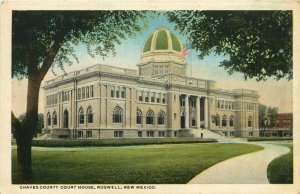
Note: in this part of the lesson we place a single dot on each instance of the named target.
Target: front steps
(213, 135)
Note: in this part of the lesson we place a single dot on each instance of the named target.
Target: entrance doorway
(182, 122)
(66, 119)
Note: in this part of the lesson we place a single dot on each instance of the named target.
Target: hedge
(115, 142)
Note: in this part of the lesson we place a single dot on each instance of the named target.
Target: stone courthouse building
(156, 100)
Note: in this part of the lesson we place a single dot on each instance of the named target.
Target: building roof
(162, 39)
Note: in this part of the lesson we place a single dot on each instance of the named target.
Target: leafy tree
(40, 123)
(257, 43)
(266, 117)
(44, 39)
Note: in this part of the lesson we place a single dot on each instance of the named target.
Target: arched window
(54, 118)
(161, 118)
(117, 115)
(217, 120)
(139, 117)
(150, 117)
(249, 121)
(224, 121)
(90, 115)
(231, 121)
(66, 119)
(80, 116)
(48, 119)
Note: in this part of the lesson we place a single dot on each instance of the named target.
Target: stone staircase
(206, 133)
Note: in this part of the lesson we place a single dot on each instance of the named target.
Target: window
(161, 118)
(140, 96)
(182, 102)
(152, 97)
(48, 119)
(193, 104)
(231, 121)
(81, 116)
(231, 133)
(89, 134)
(54, 118)
(224, 121)
(250, 133)
(249, 121)
(158, 98)
(80, 134)
(161, 134)
(150, 117)
(117, 92)
(90, 115)
(78, 93)
(83, 93)
(87, 92)
(123, 92)
(193, 122)
(56, 96)
(112, 91)
(175, 133)
(147, 97)
(175, 115)
(140, 134)
(139, 117)
(150, 133)
(217, 120)
(63, 96)
(92, 91)
(164, 99)
(117, 115)
(118, 134)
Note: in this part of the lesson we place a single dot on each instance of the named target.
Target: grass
(280, 170)
(155, 164)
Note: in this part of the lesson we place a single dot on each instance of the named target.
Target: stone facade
(157, 100)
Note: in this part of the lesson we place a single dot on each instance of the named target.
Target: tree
(257, 43)
(40, 123)
(44, 39)
(267, 117)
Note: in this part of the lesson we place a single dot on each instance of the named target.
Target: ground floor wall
(114, 133)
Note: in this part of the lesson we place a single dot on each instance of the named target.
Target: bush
(115, 142)
(268, 138)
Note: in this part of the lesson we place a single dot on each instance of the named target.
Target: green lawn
(280, 170)
(168, 164)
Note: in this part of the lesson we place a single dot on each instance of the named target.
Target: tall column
(206, 112)
(187, 115)
(198, 111)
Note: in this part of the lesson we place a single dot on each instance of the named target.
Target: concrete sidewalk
(246, 169)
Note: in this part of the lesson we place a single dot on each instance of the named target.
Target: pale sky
(272, 92)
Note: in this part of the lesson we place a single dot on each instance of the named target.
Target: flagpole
(191, 64)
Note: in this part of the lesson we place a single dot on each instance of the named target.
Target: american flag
(184, 51)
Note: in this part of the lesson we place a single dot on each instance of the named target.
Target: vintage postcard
(150, 97)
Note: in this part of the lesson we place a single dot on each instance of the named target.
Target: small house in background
(283, 126)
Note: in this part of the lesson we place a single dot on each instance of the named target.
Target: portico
(194, 109)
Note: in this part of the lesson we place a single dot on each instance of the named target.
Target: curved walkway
(246, 169)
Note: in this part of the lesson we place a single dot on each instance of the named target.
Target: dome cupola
(161, 54)
(162, 40)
